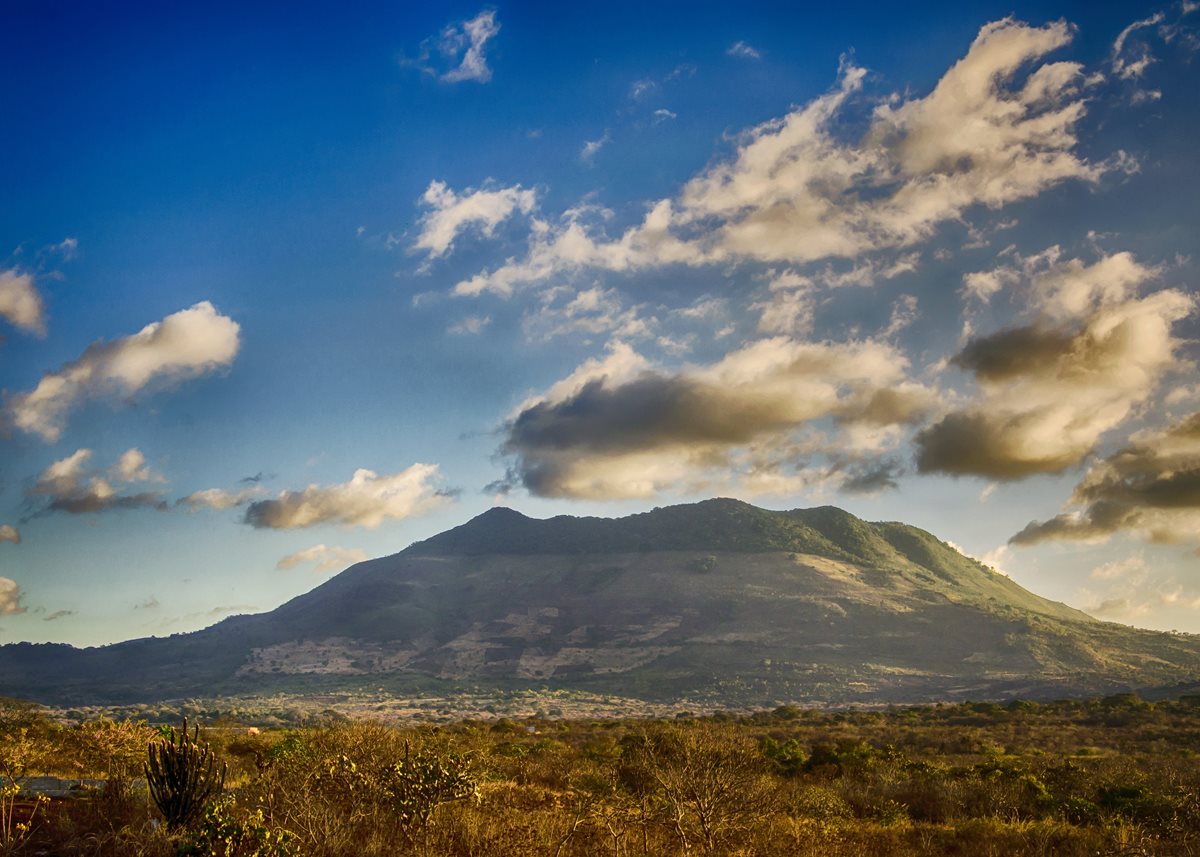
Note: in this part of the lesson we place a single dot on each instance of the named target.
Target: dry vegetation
(1110, 776)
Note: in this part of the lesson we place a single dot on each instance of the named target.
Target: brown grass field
(1110, 776)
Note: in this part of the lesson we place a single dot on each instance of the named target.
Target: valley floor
(1116, 775)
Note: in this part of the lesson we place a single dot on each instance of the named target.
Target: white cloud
(984, 285)
(593, 311)
(452, 214)
(592, 147)
(9, 533)
(67, 248)
(640, 88)
(789, 306)
(615, 428)
(1049, 390)
(367, 500)
(743, 51)
(132, 467)
(1130, 567)
(72, 486)
(662, 114)
(997, 128)
(1134, 592)
(10, 597)
(472, 325)
(326, 558)
(220, 498)
(1150, 488)
(20, 303)
(1131, 59)
(470, 40)
(184, 345)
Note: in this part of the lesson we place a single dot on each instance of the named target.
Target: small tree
(25, 734)
(114, 749)
(422, 781)
(709, 784)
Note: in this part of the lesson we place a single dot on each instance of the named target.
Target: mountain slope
(718, 599)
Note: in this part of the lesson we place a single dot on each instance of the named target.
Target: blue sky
(283, 288)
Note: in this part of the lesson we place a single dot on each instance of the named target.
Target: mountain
(719, 600)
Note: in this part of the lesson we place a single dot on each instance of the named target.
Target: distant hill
(719, 600)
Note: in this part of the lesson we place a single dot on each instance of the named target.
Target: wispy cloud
(326, 558)
(472, 325)
(187, 344)
(451, 214)
(1130, 57)
(220, 498)
(743, 51)
(591, 148)
(461, 49)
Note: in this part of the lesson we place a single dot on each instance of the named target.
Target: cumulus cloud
(451, 214)
(10, 597)
(367, 500)
(220, 498)
(997, 128)
(1150, 488)
(326, 558)
(9, 533)
(617, 428)
(184, 345)
(71, 485)
(132, 467)
(1050, 389)
(20, 302)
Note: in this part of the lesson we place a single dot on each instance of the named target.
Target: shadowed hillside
(717, 600)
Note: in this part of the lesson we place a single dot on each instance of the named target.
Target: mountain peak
(719, 598)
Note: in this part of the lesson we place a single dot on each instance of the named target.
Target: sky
(286, 287)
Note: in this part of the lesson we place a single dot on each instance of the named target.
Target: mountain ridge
(718, 598)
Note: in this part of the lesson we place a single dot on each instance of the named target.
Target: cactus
(183, 776)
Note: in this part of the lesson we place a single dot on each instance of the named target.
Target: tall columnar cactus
(183, 776)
